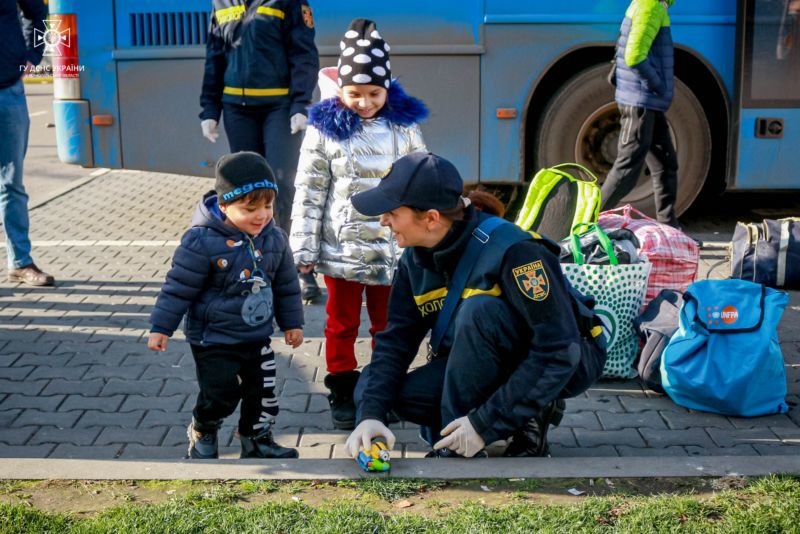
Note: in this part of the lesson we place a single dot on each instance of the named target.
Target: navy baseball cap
(420, 180)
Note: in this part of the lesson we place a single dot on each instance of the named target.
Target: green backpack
(556, 201)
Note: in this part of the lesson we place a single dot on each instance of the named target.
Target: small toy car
(376, 459)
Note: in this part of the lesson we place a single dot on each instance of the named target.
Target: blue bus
(513, 86)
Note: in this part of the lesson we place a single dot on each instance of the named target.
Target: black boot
(309, 288)
(263, 446)
(343, 409)
(202, 445)
(531, 440)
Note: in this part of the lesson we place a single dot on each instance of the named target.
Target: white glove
(298, 122)
(461, 438)
(361, 438)
(210, 130)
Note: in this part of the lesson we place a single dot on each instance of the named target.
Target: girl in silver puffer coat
(350, 144)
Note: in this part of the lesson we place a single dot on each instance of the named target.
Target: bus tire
(581, 124)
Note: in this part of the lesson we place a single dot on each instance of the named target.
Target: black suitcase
(767, 253)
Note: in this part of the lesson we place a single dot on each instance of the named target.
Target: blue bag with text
(725, 357)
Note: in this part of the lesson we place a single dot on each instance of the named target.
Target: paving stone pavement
(76, 379)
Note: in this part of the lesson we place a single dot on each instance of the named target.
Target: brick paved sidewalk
(76, 380)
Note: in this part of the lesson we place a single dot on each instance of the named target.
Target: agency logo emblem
(54, 39)
(532, 280)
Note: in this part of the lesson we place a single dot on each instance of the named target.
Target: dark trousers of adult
(266, 130)
(644, 138)
(344, 317)
(483, 355)
(227, 374)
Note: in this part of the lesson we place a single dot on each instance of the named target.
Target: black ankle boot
(531, 440)
(202, 445)
(263, 446)
(343, 409)
(309, 289)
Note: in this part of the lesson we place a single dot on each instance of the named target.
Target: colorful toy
(376, 459)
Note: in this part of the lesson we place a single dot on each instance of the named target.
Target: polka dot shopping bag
(618, 291)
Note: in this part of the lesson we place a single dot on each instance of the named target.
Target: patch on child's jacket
(308, 16)
(222, 263)
(532, 280)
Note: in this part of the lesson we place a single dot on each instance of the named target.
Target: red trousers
(344, 317)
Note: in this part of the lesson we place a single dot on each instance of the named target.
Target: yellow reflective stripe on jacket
(246, 91)
(271, 11)
(229, 14)
(430, 295)
(494, 292)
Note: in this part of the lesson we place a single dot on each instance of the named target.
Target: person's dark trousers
(219, 370)
(266, 130)
(644, 138)
(483, 355)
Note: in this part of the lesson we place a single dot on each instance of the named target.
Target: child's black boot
(202, 445)
(343, 408)
(309, 289)
(262, 445)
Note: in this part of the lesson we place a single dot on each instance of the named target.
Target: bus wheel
(581, 124)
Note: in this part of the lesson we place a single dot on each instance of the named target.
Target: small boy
(231, 275)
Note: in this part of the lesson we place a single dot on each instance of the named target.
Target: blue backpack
(725, 357)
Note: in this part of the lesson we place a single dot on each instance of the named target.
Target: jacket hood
(208, 215)
(335, 120)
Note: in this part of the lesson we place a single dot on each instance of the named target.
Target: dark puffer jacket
(645, 56)
(211, 282)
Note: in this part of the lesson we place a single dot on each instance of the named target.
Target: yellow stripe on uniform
(430, 295)
(271, 11)
(229, 14)
(493, 292)
(247, 91)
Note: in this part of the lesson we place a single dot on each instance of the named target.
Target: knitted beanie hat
(241, 172)
(365, 56)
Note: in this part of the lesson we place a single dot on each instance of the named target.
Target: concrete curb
(631, 467)
(80, 182)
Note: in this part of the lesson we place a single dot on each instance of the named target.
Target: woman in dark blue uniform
(518, 343)
(261, 70)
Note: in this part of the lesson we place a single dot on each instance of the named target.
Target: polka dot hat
(364, 58)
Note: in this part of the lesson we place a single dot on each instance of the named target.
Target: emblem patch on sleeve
(308, 15)
(532, 280)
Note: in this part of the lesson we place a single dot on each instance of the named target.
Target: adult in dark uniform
(261, 69)
(519, 342)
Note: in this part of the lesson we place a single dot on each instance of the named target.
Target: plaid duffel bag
(674, 255)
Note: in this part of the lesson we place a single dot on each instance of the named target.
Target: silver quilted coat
(326, 229)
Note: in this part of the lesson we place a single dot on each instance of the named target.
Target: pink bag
(674, 255)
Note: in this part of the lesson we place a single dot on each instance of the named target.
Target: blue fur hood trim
(336, 121)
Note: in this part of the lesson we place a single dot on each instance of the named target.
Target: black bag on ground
(767, 253)
(656, 326)
(624, 242)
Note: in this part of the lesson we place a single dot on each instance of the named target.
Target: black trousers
(227, 374)
(266, 130)
(644, 138)
(483, 356)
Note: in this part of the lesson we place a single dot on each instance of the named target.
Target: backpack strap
(484, 237)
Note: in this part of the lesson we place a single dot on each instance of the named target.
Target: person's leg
(244, 128)
(635, 136)
(14, 128)
(259, 405)
(282, 150)
(377, 309)
(662, 161)
(341, 330)
(217, 368)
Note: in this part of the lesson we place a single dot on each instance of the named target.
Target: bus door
(769, 94)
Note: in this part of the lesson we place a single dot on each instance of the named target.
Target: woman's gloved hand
(362, 435)
(210, 129)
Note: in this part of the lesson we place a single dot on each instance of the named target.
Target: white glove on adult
(460, 437)
(361, 438)
(298, 122)
(210, 130)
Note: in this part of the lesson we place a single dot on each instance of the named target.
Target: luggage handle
(627, 210)
(602, 238)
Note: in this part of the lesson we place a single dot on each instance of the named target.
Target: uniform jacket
(17, 44)
(645, 57)
(211, 282)
(417, 295)
(259, 53)
(343, 155)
